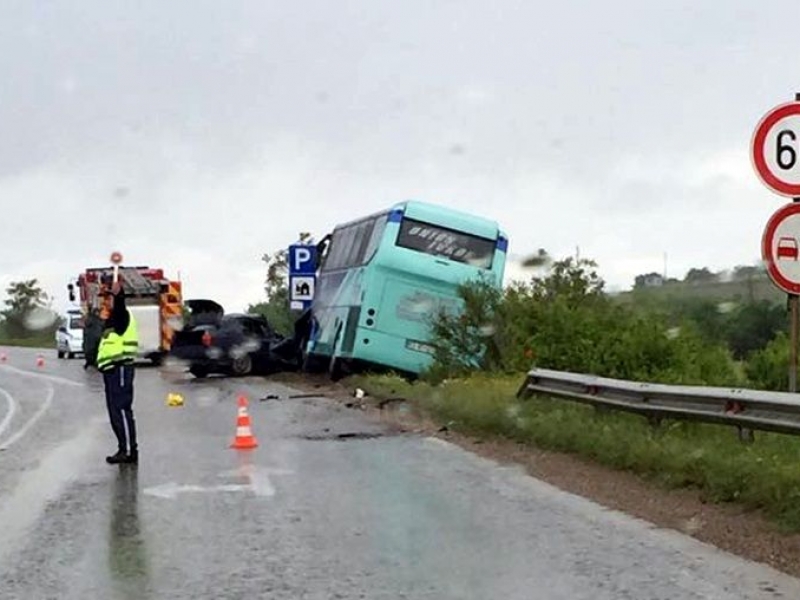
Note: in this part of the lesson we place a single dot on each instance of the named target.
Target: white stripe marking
(12, 408)
(51, 392)
(41, 376)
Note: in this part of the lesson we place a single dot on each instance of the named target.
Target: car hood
(205, 306)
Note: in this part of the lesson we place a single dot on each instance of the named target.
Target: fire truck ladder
(136, 284)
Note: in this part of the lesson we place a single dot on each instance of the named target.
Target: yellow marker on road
(174, 400)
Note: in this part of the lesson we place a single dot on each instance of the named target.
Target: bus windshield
(441, 241)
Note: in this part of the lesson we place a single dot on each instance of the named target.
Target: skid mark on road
(51, 392)
(12, 408)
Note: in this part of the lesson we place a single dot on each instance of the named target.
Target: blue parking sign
(302, 265)
(302, 260)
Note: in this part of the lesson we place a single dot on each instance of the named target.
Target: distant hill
(752, 289)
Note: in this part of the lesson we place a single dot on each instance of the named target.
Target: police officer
(118, 349)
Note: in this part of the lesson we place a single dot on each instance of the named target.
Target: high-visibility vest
(118, 349)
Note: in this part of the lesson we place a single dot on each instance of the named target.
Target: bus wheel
(335, 372)
(311, 364)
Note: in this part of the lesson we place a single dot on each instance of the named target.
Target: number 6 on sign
(775, 147)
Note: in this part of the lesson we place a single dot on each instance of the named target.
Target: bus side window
(359, 240)
(340, 248)
(333, 260)
(375, 238)
(348, 241)
(323, 247)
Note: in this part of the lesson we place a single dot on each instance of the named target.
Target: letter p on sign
(302, 256)
(302, 260)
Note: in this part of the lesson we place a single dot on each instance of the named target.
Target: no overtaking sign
(780, 248)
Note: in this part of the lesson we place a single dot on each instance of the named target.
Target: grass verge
(763, 476)
(29, 343)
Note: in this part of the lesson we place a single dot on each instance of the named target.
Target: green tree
(27, 311)
(642, 280)
(276, 286)
(752, 326)
(563, 320)
(703, 275)
(768, 368)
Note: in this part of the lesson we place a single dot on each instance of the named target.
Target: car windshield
(76, 323)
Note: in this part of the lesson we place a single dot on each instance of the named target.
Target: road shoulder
(728, 527)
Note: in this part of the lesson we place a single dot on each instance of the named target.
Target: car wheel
(242, 366)
(199, 372)
(60, 354)
(70, 355)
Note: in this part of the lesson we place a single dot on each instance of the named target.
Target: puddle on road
(346, 436)
(42, 485)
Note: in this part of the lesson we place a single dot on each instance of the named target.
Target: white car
(69, 337)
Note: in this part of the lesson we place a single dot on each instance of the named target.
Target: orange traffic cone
(3, 357)
(244, 440)
(40, 361)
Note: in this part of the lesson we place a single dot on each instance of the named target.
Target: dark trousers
(119, 401)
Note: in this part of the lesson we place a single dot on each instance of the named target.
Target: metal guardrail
(745, 409)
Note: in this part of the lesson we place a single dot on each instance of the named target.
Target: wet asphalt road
(306, 514)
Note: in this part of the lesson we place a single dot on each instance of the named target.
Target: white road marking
(12, 408)
(257, 477)
(172, 489)
(54, 378)
(51, 392)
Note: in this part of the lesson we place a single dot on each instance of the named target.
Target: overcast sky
(196, 135)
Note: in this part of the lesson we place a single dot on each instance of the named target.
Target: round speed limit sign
(775, 149)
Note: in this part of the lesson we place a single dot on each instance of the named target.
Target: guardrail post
(654, 421)
(523, 392)
(746, 436)
(599, 409)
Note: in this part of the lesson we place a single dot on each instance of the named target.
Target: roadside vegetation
(276, 287)
(27, 319)
(562, 319)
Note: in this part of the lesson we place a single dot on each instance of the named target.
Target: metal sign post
(774, 151)
(794, 320)
(116, 259)
(793, 341)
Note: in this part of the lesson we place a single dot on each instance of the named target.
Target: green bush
(565, 321)
(768, 369)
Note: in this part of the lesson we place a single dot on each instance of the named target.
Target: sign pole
(793, 341)
(794, 324)
(116, 259)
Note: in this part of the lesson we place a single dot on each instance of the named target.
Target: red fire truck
(154, 301)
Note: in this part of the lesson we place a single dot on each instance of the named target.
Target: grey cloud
(200, 129)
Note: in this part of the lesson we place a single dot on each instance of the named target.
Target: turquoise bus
(382, 277)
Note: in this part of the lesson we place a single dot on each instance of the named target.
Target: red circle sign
(775, 149)
(116, 258)
(780, 247)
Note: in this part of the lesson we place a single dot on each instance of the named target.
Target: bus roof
(439, 214)
(449, 217)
